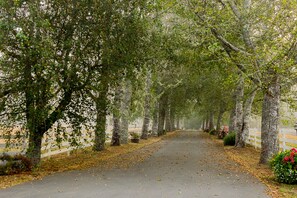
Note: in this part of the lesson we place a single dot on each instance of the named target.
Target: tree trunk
(172, 119)
(147, 106)
(162, 114)
(211, 121)
(239, 141)
(232, 120)
(246, 115)
(115, 141)
(207, 121)
(125, 107)
(34, 149)
(270, 121)
(155, 120)
(101, 108)
(203, 124)
(177, 123)
(37, 117)
(167, 119)
(220, 117)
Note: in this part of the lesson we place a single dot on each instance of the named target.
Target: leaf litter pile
(122, 157)
(248, 158)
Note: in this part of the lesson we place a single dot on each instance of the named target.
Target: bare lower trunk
(167, 120)
(125, 114)
(246, 115)
(147, 106)
(177, 123)
(162, 114)
(239, 141)
(34, 149)
(115, 141)
(220, 117)
(203, 124)
(101, 108)
(207, 122)
(172, 119)
(211, 121)
(232, 119)
(155, 120)
(270, 121)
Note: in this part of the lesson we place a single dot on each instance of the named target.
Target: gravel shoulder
(186, 165)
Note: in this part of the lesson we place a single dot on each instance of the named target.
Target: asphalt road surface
(187, 165)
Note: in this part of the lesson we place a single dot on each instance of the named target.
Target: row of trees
(78, 61)
(75, 62)
(257, 42)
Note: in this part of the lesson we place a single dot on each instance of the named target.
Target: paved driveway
(187, 165)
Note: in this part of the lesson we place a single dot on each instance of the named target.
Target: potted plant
(135, 137)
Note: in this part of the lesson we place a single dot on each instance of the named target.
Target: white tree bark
(155, 120)
(247, 114)
(115, 141)
(220, 117)
(270, 120)
(125, 111)
(147, 107)
(239, 142)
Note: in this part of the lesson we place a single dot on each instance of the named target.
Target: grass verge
(248, 158)
(83, 159)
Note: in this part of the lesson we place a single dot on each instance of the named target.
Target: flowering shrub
(284, 166)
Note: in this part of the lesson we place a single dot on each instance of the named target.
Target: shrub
(14, 164)
(206, 130)
(135, 135)
(229, 139)
(213, 132)
(284, 166)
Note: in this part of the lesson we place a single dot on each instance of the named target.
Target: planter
(135, 140)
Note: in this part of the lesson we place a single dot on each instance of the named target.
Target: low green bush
(284, 166)
(213, 132)
(135, 135)
(229, 140)
(14, 164)
(206, 130)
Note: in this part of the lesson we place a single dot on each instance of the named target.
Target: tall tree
(47, 56)
(147, 106)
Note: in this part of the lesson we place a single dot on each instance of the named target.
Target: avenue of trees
(76, 62)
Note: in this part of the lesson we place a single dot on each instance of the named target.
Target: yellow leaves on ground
(248, 158)
(122, 156)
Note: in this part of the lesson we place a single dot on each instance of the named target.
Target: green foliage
(14, 164)
(284, 166)
(134, 135)
(213, 132)
(229, 140)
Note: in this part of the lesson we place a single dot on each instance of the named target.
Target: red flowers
(294, 150)
(286, 158)
(291, 157)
